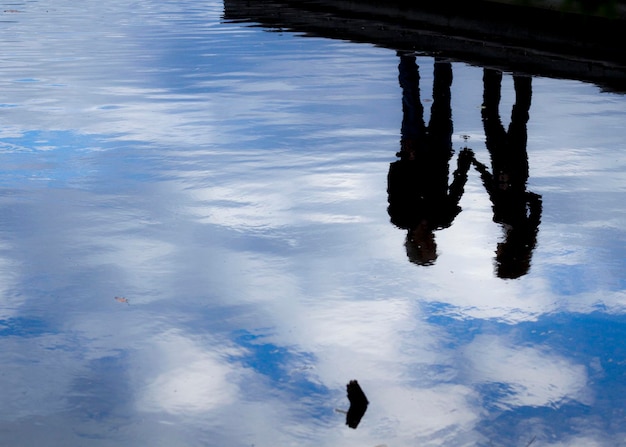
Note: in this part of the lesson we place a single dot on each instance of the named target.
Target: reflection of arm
(460, 175)
(485, 175)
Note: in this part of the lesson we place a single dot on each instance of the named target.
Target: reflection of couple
(422, 200)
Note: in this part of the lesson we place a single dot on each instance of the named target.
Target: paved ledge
(556, 38)
(606, 9)
(609, 9)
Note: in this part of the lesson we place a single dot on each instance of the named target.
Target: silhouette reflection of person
(515, 208)
(420, 198)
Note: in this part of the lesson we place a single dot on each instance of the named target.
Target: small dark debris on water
(358, 404)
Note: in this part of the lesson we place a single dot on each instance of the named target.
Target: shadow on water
(515, 208)
(421, 200)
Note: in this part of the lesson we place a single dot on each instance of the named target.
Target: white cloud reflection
(534, 377)
(188, 379)
(233, 202)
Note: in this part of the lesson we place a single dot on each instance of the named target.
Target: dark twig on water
(531, 441)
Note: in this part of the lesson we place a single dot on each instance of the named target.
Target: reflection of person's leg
(412, 109)
(517, 134)
(523, 93)
(440, 130)
(492, 81)
(495, 134)
(440, 124)
(519, 115)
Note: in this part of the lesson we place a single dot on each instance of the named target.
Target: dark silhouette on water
(358, 404)
(530, 36)
(420, 198)
(515, 208)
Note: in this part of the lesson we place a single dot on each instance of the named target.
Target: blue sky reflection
(230, 183)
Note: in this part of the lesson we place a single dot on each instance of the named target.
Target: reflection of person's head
(513, 255)
(420, 244)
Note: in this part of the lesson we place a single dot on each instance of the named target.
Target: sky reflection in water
(231, 184)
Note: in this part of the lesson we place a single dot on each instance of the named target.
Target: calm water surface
(196, 248)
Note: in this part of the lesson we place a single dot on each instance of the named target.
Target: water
(196, 247)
